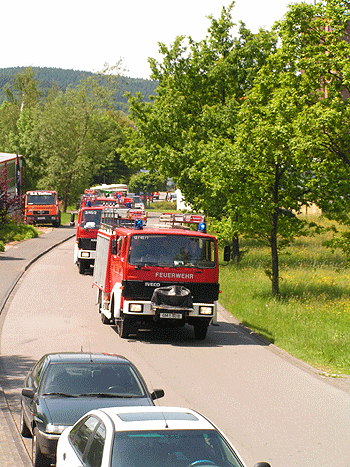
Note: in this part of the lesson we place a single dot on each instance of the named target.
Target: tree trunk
(235, 248)
(274, 255)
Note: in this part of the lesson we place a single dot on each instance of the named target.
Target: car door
(85, 444)
(32, 382)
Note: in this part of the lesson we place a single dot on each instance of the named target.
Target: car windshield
(172, 251)
(47, 199)
(173, 448)
(76, 379)
(91, 218)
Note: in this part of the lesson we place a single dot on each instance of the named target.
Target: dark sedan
(62, 387)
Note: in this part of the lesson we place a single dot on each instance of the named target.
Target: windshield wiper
(62, 394)
(103, 394)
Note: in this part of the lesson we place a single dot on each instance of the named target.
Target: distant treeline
(48, 77)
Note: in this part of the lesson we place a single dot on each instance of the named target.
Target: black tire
(200, 331)
(124, 327)
(25, 431)
(105, 320)
(38, 458)
(81, 266)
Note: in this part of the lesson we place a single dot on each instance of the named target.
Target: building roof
(4, 157)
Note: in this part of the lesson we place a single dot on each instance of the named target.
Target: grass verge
(311, 318)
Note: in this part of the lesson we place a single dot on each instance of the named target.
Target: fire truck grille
(41, 213)
(87, 243)
(205, 293)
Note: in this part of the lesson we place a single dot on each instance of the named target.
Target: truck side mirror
(227, 253)
(114, 246)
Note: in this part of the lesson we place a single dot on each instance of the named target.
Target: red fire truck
(149, 277)
(89, 220)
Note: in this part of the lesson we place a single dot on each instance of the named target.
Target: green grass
(161, 206)
(311, 318)
(65, 217)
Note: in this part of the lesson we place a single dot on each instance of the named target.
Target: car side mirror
(157, 394)
(227, 257)
(27, 392)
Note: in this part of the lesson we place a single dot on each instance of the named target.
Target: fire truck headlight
(136, 307)
(85, 254)
(206, 310)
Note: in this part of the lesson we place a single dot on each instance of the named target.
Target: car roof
(87, 357)
(155, 418)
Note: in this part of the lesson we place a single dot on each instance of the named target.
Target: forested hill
(63, 78)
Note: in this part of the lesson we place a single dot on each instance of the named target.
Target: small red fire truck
(89, 220)
(149, 277)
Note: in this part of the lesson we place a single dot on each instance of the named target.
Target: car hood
(66, 411)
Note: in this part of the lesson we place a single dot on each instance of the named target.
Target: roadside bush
(11, 232)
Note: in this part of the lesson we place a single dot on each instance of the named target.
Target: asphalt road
(271, 406)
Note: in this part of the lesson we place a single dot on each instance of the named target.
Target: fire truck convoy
(42, 207)
(88, 224)
(161, 276)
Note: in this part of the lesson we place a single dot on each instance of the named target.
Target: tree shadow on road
(13, 370)
(222, 334)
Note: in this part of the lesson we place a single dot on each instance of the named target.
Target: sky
(86, 34)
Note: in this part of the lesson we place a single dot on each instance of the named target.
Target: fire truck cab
(148, 277)
(42, 207)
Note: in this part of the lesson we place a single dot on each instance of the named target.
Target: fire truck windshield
(91, 218)
(172, 251)
(37, 198)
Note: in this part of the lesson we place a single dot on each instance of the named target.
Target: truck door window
(119, 245)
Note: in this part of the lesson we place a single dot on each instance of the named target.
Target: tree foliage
(68, 139)
(251, 131)
(201, 85)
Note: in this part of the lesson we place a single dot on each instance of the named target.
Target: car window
(80, 379)
(80, 434)
(179, 448)
(36, 374)
(94, 450)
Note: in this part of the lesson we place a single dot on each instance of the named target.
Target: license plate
(171, 315)
(40, 218)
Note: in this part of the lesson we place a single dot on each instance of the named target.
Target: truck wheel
(124, 327)
(200, 331)
(105, 320)
(81, 266)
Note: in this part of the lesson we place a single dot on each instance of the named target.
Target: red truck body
(42, 207)
(88, 224)
(149, 277)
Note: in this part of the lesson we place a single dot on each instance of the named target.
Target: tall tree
(72, 138)
(293, 139)
(200, 89)
(22, 92)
